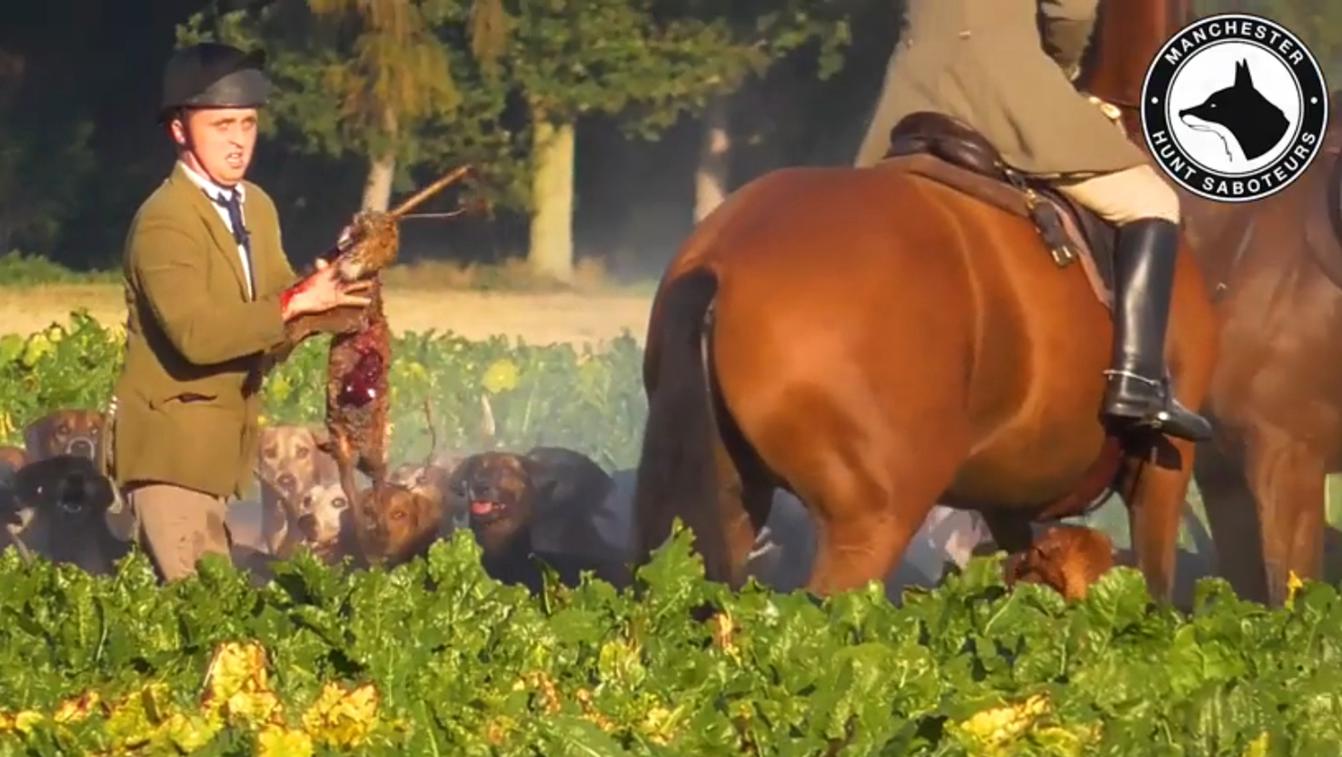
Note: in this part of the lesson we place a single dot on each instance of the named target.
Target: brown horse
(875, 342)
(1276, 394)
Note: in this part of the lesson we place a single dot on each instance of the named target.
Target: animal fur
(359, 356)
(64, 432)
(13, 457)
(572, 493)
(374, 240)
(1067, 558)
(290, 462)
(68, 498)
(357, 395)
(393, 525)
(503, 498)
(324, 524)
(434, 481)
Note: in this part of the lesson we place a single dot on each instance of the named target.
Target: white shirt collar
(211, 188)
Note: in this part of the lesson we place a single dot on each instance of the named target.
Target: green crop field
(434, 657)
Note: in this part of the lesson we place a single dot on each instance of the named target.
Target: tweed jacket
(188, 399)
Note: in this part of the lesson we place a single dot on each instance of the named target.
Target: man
(208, 292)
(981, 61)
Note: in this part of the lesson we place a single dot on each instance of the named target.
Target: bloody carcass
(360, 353)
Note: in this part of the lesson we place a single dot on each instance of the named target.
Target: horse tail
(677, 469)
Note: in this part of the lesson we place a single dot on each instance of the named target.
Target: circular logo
(1234, 107)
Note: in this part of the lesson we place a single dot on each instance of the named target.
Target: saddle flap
(1068, 231)
(947, 138)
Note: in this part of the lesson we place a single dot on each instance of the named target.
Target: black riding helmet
(213, 75)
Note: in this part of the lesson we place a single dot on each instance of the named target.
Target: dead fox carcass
(359, 359)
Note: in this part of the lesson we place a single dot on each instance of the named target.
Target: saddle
(948, 151)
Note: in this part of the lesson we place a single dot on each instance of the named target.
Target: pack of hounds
(550, 504)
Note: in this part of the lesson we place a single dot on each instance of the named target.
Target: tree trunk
(377, 190)
(552, 196)
(382, 168)
(710, 180)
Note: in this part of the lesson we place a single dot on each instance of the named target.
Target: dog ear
(325, 469)
(13, 458)
(454, 480)
(37, 434)
(1050, 550)
(321, 436)
(544, 481)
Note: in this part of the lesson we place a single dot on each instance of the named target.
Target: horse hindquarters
(685, 469)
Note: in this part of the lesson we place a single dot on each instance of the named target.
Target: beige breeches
(1124, 196)
(178, 526)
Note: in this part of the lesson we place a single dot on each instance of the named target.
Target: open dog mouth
(309, 532)
(70, 506)
(488, 511)
(324, 549)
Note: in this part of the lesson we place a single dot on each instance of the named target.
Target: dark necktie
(233, 203)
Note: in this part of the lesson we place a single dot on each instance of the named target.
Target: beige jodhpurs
(178, 526)
(1124, 196)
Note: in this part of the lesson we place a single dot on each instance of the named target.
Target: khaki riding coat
(984, 62)
(188, 403)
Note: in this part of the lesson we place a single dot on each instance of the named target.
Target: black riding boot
(1138, 390)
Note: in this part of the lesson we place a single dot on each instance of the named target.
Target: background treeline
(603, 128)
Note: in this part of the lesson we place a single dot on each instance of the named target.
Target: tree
(39, 130)
(1318, 23)
(776, 29)
(400, 73)
(629, 58)
(409, 82)
(382, 78)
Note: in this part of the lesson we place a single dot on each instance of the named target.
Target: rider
(982, 61)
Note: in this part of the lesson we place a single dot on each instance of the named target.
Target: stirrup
(1163, 413)
(1163, 386)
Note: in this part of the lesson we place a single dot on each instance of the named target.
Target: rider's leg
(1146, 211)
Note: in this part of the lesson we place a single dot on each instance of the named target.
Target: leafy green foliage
(647, 60)
(447, 70)
(20, 270)
(71, 365)
(588, 400)
(368, 78)
(35, 133)
(1318, 23)
(464, 665)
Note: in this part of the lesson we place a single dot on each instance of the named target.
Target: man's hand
(322, 291)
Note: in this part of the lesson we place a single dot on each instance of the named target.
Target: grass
(590, 275)
(19, 270)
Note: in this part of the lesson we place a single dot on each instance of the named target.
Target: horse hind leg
(1288, 479)
(866, 515)
(743, 499)
(1154, 488)
(1232, 513)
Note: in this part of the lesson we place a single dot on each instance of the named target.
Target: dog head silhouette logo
(1234, 107)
